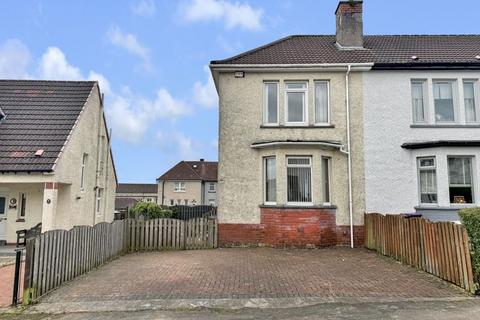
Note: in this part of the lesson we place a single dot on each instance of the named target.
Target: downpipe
(348, 152)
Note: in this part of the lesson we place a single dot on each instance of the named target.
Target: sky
(151, 58)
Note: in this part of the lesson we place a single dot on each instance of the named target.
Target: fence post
(16, 280)
(28, 273)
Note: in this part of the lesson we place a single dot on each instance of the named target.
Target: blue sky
(150, 57)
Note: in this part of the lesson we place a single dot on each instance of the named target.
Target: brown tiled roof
(122, 203)
(192, 170)
(378, 49)
(38, 115)
(137, 188)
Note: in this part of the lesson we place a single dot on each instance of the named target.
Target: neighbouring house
(56, 165)
(189, 183)
(317, 129)
(128, 194)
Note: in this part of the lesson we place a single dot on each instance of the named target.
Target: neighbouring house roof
(137, 188)
(39, 115)
(441, 143)
(192, 170)
(122, 203)
(382, 50)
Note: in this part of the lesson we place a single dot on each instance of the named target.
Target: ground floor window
(23, 205)
(428, 180)
(270, 176)
(326, 179)
(99, 200)
(460, 179)
(299, 180)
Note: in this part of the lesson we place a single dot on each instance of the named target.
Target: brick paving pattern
(252, 273)
(7, 274)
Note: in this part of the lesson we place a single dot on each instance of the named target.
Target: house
(317, 129)
(189, 183)
(128, 194)
(56, 165)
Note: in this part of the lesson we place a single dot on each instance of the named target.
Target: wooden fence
(58, 256)
(439, 248)
(155, 234)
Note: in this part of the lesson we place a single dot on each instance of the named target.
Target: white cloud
(233, 14)
(129, 42)
(179, 145)
(144, 8)
(54, 66)
(102, 82)
(14, 60)
(205, 93)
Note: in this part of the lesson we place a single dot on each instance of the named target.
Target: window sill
(436, 126)
(317, 126)
(453, 207)
(20, 220)
(273, 206)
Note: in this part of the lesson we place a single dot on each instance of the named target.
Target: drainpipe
(349, 154)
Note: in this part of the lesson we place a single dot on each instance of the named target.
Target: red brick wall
(281, 227)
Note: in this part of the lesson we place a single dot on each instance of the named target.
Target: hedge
(470, 218)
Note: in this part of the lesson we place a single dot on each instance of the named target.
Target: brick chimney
(350, 24)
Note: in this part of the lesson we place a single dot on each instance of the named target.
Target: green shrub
(150, 210)
(471, 220)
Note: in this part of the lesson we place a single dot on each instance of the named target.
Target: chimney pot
(202, 159)
(349, 16)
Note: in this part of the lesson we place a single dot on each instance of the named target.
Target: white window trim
(180, 189)
(264, 165)
(455, 94)
(300, 204)
(20, 203)
(476, 95)
(98, 201)
(5, 212)
(419, 186)
(472, 178)
(305, 106)
(329, 113)
(426, 105)
(265, 104)
(329, 159)
(83, 171)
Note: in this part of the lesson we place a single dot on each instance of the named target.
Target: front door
(3, 218)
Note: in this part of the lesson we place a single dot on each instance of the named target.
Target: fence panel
(439, 248)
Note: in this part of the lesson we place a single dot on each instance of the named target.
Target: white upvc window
(419, 100)
(444, 101)
(270, 180)
(470, 101)
(326, 172)
(98, 203)
(460, 179)
(299, 180)
(427, 177)
(271, 103)
(322, 102)
(83, 171)
(296, 103)
(22, 206)
(179, 186)
(211, 187)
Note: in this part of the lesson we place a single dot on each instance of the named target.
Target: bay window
(427, 174)
(460, 179)
(444, 101)
(296, 102)
(299, 180)
(270, 180)
(270, 103)
(322, 108)
(470, 102)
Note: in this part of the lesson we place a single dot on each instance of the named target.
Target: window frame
(424, 84)
(22, 208)
(305, 102)
(419, 169)
(312, 183)
(211, 187)
(329, 110)
(454, 85)
(476, 97)
(264, 160)
(329, 179)
(472, 178)
(180, 184)
(98, 201)
(265, 103)
(83, 171)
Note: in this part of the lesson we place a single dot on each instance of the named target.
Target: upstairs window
(418, 101)
(179, 186)
(270, 103)
(460, 179)
(322, 103)
(296, 102)
(444, 102)
(299, 180)
(470, 101)
(211, 187)
(427, 173)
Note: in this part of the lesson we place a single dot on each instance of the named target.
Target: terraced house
(317, 129)
(56, 166)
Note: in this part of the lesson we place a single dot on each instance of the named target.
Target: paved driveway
(280, 275)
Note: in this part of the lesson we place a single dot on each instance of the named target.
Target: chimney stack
(350, 24)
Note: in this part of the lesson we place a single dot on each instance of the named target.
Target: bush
(471, 220)
(150, 210)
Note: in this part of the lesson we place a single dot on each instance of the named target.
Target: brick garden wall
(299, 227)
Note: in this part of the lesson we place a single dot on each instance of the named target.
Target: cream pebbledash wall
(193, 191)
(76, 206)
(240, 181)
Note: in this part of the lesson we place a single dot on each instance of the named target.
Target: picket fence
(439, 248)
(58, 256)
